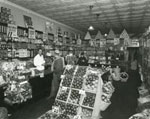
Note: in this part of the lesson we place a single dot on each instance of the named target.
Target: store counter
(41, 86)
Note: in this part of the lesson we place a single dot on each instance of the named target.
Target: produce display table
(19, 85)
(81, 95)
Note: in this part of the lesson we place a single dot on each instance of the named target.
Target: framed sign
(12, 30)
(31, 33)
(49, 27)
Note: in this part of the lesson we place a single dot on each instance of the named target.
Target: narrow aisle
(34, 110)
(124, 99)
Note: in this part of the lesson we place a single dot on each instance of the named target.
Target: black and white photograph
(74, 59)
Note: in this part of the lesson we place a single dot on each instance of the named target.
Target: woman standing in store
(70, 58)
(57, 69)
(82, 61)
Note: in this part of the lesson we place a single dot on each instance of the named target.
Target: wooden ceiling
(132, 15)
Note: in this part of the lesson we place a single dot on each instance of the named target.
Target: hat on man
(57, 52)
(48, 54)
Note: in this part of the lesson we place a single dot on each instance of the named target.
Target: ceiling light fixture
(105, 35)
(91, 28)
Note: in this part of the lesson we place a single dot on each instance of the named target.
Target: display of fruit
(74, 97)
(17, 92)
(81, 71)
(87, 112)
(138, 116)
(63, 94)
(108, 88)
(91, 82)
(71, 109)
(63, 116)
(69, 70)
(105, 98)
(48, 115)
(89, 100)
(60, 104)
(67, 81)
(77, 82)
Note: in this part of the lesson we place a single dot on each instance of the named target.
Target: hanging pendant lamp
(91, 28)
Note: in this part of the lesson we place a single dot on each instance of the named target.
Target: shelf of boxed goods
(146, 60)
(143, 110)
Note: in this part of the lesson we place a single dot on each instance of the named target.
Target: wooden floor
(33, 110)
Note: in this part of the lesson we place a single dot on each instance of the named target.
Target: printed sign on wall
(12, 30)
(49, 27)
(32, 33)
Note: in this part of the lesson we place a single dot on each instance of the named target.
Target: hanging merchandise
(79, 41)
(124, 35)
(102, 42)
(87, 36)
(99, 35)
(87, 39)
(80, 95)
(111, 34)
(92, 42)
(116, 41)
(110, 38)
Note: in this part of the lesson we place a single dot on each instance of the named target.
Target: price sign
(62, 76)
(77, 117)
(64, 88)
(12, 29)
(32, 33)
(55, 110)
(82, 92)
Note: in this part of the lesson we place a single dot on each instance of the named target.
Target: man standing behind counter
(57, 69)
(39, 62)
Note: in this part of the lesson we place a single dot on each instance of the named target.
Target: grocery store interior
(74, 59)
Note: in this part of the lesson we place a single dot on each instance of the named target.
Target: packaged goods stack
(144, 90)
